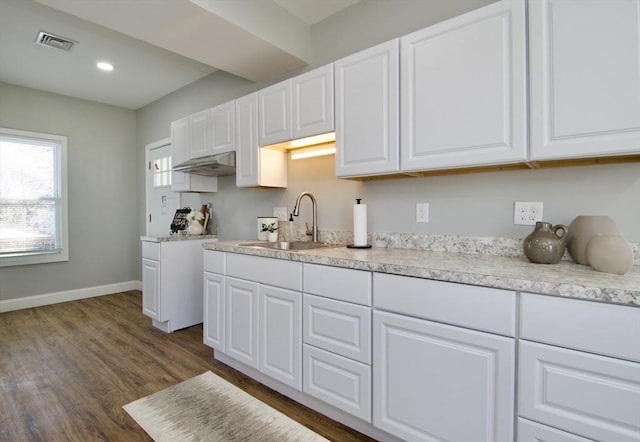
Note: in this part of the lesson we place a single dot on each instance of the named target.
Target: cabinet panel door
(585, 78)
(339, 381)
(179, 153)
(312, 101)
(242, 321)
(200, 132)
(339, 327)
(438, 382)
(586, 394)
(367, 111)
(281, 335)
(223, 122)
(214, 311)
(463, 90)
(275, 113)
(529, 431)
(151, 288)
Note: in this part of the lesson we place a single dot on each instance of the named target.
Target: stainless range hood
(214, 165)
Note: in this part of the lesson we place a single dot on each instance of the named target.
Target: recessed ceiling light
(105, 66)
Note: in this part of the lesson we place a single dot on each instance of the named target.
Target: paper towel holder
(353, 246)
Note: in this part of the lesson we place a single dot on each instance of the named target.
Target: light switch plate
(280, 213)
(422, 212)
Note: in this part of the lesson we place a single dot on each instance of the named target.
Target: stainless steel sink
(288, 245)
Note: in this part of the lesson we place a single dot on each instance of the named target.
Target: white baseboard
(69, 295)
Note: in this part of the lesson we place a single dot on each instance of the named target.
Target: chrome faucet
(296, 212)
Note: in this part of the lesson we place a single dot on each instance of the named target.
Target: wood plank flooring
(67, 369)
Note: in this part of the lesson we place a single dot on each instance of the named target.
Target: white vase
(195, 228)
(582, 229)
(273, 236)
(610, 254)
(263, 235)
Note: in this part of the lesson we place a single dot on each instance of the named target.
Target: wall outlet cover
(422, 212)
(527, 214)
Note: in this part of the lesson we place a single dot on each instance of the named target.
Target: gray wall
(101, 154)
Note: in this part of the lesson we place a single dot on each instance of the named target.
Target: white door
(281, 335)
(585, 78)
(312, 102)
(275, 113)
(214, 313)
(367, 111)
(438, 382)
(162, 202)
(241, 333)
(463, 90)
(151, 288)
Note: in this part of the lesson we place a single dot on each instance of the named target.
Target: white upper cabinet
(312, 102)
(223, 137)
(212, 131)
(463, 90)
(275, 114)
(200, 133)
(185, 182)
(255, 166)
(585, 78)
(367, 111)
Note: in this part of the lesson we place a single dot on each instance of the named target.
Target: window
(33, 198)
(162, 172)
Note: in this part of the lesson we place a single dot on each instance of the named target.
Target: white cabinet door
(586, 394)
(438, 382)
(151, 288)
(275, 113)
(463, 90)
(529, 431)
(367, 108)
(312, 101)
(214, 311)
(200, 133)
(179, 153)
(223, 123)
(280, 323)
(341, 382)
(255, 166)
(242, 321)
(585, 78)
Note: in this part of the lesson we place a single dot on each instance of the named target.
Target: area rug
(208, 408)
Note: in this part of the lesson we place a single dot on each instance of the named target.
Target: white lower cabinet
(150, 287)
(338, 381)
(438, 382)
(579, 367)
(214, 311)
(280, 334)
(529, 431)
(242, 321)
(172, 283)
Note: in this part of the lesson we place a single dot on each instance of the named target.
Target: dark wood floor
(67, 369)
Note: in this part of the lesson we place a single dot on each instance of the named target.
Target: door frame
(147, 194)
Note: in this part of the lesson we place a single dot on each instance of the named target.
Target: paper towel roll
(359, 224)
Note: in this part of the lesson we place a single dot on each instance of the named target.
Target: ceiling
(156, 46)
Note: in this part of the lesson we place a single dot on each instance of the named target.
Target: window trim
(61, 169)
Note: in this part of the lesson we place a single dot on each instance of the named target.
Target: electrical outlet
(526, 214)
(280, 213)
(422, 212)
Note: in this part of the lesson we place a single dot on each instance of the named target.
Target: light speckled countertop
(177, 237)
(512, 273)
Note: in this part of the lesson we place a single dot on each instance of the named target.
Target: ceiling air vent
(54, 41)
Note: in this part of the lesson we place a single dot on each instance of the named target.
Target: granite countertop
(566, 278)
(177, 237)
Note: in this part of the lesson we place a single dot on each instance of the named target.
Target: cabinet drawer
(214, 262)
(339, 327)
(338, 283)
(151, 250)
(341, 382)
(480, 308)
(586, 394)
(529, 431)
(607, 329)
(270, 271)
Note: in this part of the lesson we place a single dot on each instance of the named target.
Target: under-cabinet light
(311, 152)
(103, 65)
